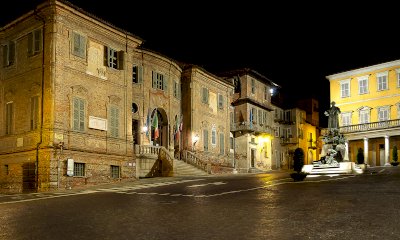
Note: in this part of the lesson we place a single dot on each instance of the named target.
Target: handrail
(205, 165)
(147, 149)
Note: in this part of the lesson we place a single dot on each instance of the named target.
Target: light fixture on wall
(144, 129)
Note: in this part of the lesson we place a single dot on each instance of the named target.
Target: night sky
(295, 45)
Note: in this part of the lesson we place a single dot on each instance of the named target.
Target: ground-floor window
(79, 169)
(115, 171)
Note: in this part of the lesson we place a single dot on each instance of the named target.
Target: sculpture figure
(333, 114)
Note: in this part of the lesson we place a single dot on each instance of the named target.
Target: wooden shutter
(165, 84)
(139, 74)
(37, 41)
(106, 56)
(205, 139)
(5, 55)
(114, 122)
(154, 78)
(30, 44)
(221, 143)
(120, 58)
(11, 53)
(9, 117)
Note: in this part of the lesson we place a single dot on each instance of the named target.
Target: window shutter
(30, 44)
(114, 123)
(154, 78)
(81, 115)
(106, 56)
(11, 53)
(165, 84)
(221, 143)
(9, 117)
(120, 57)
(37, 40)
(76, 114)
(5, 56)
(140, 74)
(205, 139)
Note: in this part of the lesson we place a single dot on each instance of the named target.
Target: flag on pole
(181, 123)
(148, 122)
(155, 125)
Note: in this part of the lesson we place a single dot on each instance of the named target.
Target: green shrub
(394, 154)
(360, 156)
(298, 159)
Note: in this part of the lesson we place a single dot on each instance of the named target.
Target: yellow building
(369, 101)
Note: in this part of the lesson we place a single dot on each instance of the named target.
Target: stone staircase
(184, 169)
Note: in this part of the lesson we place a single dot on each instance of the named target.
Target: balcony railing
(251, 127)
(370, 126)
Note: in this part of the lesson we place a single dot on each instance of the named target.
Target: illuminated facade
(251, 120)
(206, 129)
(369, 100)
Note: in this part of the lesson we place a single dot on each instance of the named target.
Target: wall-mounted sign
(98, 123)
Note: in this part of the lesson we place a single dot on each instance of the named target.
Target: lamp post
(195, 139)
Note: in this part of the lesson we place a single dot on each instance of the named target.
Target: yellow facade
(369, 100)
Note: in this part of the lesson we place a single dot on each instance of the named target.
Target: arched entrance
(159, 128)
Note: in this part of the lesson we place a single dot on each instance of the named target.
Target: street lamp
(195, 139)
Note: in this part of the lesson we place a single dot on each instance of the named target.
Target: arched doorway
(159, 128)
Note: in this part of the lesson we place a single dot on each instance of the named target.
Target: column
(346, 153)
(366, 151)
(387, 163)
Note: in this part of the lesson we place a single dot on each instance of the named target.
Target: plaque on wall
(98, 123)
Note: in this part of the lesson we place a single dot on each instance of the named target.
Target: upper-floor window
(177, 90)
(159, 81)
(79, 45)
(364, 116)
(137, 74)
(253, 86)
(35, 42)
(213, 136)
(253, 115)
(9, 117)
(204, 95)
(8, 54)
(398, 110)
(277, 131)
(345, 88)
(220, 101)
(260, 117)
(383, 113)
(382, 80)
(114, 121)
(113, 58)
(288, 115)
(346, 119)
(363, 85)
(398, 77)
(78, 114)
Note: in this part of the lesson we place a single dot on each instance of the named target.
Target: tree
(298, 163)
(360, 156)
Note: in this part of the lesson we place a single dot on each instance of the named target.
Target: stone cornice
(363, 70)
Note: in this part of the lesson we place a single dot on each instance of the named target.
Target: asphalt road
(254, 206)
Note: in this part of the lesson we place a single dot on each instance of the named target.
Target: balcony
(370, 126)
(251, 127)
(288, 140)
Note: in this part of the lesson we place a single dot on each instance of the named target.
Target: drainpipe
(41, 101)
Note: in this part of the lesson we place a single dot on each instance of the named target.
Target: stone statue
(333, 114)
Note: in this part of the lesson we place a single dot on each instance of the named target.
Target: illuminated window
(346, 119)
(382, 79)
(363, 85)
(345, 88)
(383, 113)
(364, 116)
